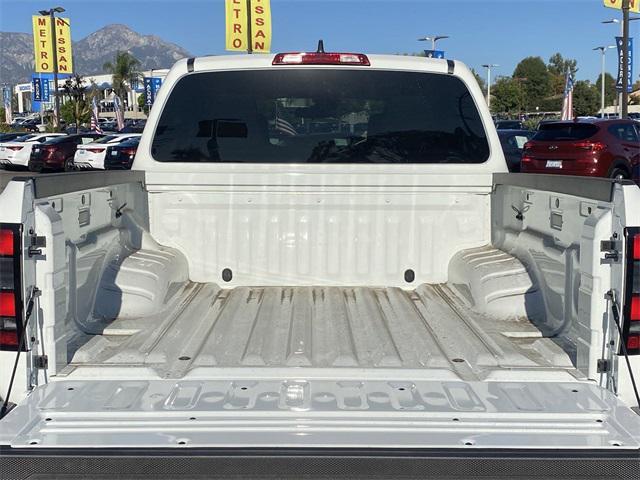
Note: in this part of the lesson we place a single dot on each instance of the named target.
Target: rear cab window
(320, 116)
(557, 132)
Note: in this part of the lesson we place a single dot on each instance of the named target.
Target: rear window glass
(554, 132)
(56, 140)
(105, 139)
(320, 116)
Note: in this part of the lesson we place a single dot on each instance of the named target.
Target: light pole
(624, 24)
(603, 51)
(54, 48)
(489, 66)
(433, 39)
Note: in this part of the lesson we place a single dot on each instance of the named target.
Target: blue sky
(482, 31)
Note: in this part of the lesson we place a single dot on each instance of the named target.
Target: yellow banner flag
(634, 5)
(248, 21)
(63, 44)
(261, 26)
(43, 45)
(237, 28)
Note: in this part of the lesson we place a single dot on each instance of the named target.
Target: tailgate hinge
(611, 249)
(36, 244)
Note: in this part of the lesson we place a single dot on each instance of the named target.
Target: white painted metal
(318, 236)
(205, 331)
(258, 412)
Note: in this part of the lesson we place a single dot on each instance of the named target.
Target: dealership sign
(151, 87)
(634, 5)
(620, 43)
(248, 25)
(43, 44)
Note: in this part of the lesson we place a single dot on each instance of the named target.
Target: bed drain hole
(598, 421)
(182, 442)
(70, 388)
(574, 391)
(33, 442)
(455, 419)
(469, 443)
(192, 418)
(184, 358)
(47, 419)
(243, 388)
(409, 276)
(458, 360)
(227, 274)
(401, 389)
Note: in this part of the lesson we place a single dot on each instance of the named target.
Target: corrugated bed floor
(321, 327)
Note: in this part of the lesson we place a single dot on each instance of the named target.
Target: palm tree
(125, 71)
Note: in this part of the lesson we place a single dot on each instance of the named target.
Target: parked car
(120, 156)
(596, 148)
(92, 155)
(513, 142)
(57, 153)
(509, 125)
(17, 152)
(7, 137)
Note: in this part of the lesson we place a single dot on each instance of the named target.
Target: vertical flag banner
(95, 114)
(119, 110)
(237, 35)
(567, 103)
(619, 44)
(43, 44)
(248, 21)
(45, 90)
(260, 26)
(634, 5)
(36, 89)
(63, 42)
(148, 91)
(6, 101)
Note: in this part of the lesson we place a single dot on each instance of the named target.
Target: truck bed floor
(205, 327)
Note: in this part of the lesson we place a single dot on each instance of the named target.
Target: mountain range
(90, 53)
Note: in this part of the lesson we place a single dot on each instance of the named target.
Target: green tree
(586, 99)
(125, 70)
(609, 88)
(508, 96)
(536, 81)
(76, 108)
(558, 67)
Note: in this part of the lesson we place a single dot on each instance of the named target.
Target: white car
(18, 151)
(92, 155)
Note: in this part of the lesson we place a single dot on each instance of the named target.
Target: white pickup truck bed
(430, 328)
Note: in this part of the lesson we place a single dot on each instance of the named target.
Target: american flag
(285, 127)
(118, 107)
(95, 125)
(567, 103)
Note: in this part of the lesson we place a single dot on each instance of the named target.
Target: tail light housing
(591, 146)
(15, 148)
(631, 327)
(10, 286)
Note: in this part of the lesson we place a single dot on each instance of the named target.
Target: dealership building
(26, 103)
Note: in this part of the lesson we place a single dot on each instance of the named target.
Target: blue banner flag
(620, 43)
(151, 87)
(45, 90)
(434, 53)
(36, 89)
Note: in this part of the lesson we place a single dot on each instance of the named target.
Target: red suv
(595, 148)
